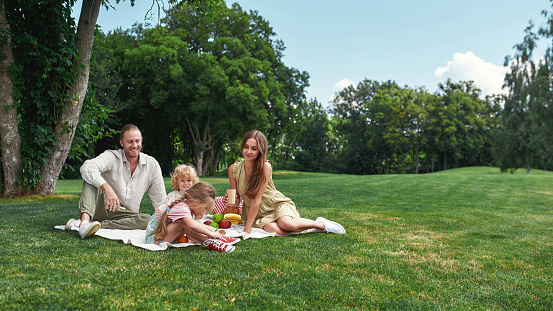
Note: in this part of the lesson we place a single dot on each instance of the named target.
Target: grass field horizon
(467, 238)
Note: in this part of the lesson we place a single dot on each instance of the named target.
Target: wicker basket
(232, 210)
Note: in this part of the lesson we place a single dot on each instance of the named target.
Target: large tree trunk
(201, 143)
(208, 158)
(67, 122)
(217, 157)
(212, 158)
(9, 132)
(199, 154)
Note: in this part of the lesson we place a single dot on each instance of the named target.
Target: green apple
(217, 217)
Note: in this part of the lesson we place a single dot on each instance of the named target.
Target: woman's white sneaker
(332, 226)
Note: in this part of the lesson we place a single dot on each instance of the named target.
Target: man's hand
(112, 201)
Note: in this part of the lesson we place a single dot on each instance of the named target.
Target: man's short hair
(126, 128)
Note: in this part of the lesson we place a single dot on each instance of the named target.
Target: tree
(525, 139)
(520, 114)
(348, 107)
(313, 146)
(11, 141)
(469, 130)
(399, 125)
(49, 73)
(48, 76)
(208, 78)
(404, 126)
(434, 126)
(289, 124)
(238, 86)
(67, 121)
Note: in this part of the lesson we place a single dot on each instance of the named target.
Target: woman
(265, 207)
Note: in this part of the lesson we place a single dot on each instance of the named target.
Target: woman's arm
(255, 202)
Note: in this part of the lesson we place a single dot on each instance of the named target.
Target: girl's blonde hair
(183, 171)
(257, 176)
(201, 191)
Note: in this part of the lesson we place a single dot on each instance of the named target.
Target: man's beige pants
(93, 203)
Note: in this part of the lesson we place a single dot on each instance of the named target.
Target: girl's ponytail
(161, 229)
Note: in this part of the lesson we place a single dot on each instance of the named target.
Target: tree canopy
(207, 79)
(205, 74)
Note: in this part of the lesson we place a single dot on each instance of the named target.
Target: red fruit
(207, 222)
(225, 224)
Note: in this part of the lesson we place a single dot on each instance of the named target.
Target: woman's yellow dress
(273, 203)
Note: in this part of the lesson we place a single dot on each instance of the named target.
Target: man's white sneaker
(88, 229)
(72, 223)
(332, 226)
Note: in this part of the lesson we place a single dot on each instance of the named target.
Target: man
(114, 184)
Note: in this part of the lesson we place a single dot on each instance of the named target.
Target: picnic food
(225, 224)
(207, 222)
(182, 239)
(235, 219)
(217, 217)
(214, 225)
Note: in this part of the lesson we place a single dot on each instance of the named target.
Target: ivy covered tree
(49, 74)
(44, 72)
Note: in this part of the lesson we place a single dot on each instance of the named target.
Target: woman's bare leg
(286, 225)
(273, 227)
(290, 224)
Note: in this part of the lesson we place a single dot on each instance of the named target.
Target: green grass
(461, 239)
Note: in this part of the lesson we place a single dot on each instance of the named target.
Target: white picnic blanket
(137, 237)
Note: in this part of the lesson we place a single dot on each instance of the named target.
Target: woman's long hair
(201, 191)
(257, 176)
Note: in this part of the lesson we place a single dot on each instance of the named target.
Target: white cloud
(464, 67)
(343, 84)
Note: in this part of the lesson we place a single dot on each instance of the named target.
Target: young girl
(182, 178)
(264, 206)
(176, 218)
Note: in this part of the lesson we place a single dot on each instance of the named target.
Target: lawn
(469, 238)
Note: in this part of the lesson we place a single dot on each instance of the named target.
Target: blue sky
(415, 43)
